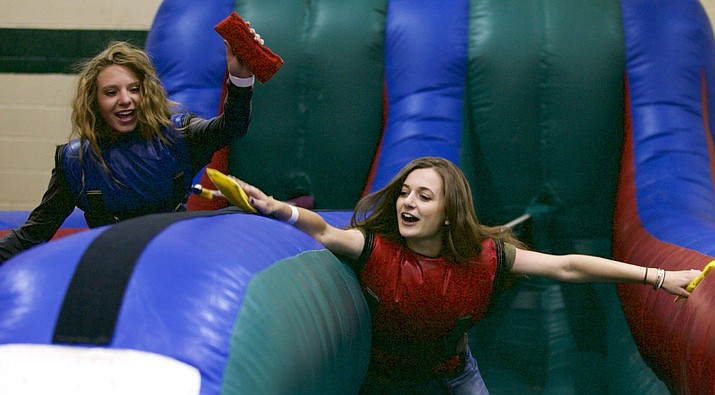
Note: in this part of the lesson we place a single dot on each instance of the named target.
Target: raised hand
(235, 64)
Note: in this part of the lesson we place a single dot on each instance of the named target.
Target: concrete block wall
(35, 107)
(709, 6)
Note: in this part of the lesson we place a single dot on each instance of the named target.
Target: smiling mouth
(125, 116)
(409, 218)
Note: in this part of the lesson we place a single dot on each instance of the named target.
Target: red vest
(421, 298)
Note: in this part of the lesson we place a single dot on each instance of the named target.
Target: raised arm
(584, 268)
(234, 64)
(206, 136)
(347, 242)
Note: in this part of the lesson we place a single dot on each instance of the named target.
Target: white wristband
(242, 82)
(293, 215)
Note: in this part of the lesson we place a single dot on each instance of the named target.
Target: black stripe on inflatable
(91, 305)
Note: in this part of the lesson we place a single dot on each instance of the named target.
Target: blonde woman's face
(420, 211)
(119, 95)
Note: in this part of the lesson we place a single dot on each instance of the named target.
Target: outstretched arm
(584, 268)
(347, 242)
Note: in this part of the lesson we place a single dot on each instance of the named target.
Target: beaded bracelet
(662, 280)
(659, 279)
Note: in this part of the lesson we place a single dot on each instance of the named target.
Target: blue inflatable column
(188, 55)
(425, 70)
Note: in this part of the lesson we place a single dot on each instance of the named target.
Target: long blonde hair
(461, 238)
(153, 112)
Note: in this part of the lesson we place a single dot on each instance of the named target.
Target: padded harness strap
(97, 214)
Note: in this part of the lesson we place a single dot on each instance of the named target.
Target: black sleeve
(358, 264)
(206, 136)
(503, 265)
(501, 277)
(57, 204)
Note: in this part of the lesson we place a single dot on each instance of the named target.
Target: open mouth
(407, 217)
(125, 116)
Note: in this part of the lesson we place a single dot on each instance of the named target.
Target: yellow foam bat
(230, 190)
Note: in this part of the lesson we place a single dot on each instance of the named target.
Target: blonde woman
(132, 151)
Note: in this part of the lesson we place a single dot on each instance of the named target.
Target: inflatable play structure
(589, 118)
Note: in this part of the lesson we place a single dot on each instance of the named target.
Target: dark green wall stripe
(56, 51)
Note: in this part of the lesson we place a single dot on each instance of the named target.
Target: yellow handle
(699, 278)
(205, 193)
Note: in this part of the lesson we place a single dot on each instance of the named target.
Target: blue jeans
(468, 383)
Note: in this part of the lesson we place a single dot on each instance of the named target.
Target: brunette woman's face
(118, 96)
(420, 211)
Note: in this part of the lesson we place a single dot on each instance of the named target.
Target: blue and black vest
(146, 177)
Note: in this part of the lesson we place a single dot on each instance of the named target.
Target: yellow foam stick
(205, 193)
(699, 278)
(230, 190)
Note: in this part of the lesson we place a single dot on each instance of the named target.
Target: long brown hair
(153, 112)
(461, 238)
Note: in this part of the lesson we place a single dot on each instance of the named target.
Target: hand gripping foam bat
(699, 278)
(260, 59)
(228, 188)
